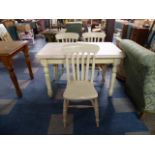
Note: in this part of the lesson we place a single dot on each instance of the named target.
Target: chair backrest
(4, 35)
(94, 36)
(79, 57)
(67, 37)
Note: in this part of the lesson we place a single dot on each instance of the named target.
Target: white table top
(55, 50)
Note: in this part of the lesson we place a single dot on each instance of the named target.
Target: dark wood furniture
(7, 51)
(50, 34)
(140, 35)
(110, 26)
(124, 30)
(134, 32)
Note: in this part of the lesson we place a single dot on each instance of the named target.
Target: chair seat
(80, 90)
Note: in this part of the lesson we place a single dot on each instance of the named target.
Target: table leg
(47, 77)
(113, 77)
(8, 64)
(55, 68)
(27, 60)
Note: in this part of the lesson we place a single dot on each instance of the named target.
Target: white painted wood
(4, 35)
(87, 66)
(73, 68)
(93, 69)
(80, 88)
(67, 37)
(113, 77)
(47, 77)
(94, 36)
(55, 50)
(80, 58)
(83, 67)
(77, 65)
(67, 68)
(108, 54)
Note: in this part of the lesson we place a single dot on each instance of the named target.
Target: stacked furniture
(134, 31)
(25, 32)
(139, 66)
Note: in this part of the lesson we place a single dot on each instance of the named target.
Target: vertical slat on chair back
(94, 36)
(4, 35)
(78, 63)
(82, 66)
(67, 37)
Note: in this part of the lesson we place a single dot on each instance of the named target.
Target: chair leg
(142, 115)
(65, 112)
(96, 108)
(103, 72)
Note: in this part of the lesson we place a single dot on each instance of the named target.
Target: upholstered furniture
(80, 86)
(13, 32)
(25, 32)
(8, 49)
(139, 65)
(74, 27)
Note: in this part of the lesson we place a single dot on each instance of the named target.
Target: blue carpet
(36, 113)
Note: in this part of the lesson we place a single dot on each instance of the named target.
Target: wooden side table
(7, 51)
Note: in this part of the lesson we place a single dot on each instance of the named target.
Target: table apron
(97, 61)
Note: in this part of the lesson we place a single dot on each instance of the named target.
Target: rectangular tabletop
(9, 47)
(55, 50)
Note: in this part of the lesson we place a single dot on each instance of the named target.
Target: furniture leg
(55, 68)
(65, 112)
(142, 115)
(27, 60)
(96, 107)
(47, 77)
(8, 64)
(112, 79)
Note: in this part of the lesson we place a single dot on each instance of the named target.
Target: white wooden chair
(80, 86)
(93, 36)
(67, 37)
(4, 35)
(96, 37)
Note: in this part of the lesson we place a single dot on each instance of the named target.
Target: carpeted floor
(36, 113)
